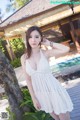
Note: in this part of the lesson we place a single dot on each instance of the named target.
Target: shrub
(1, 45)
(17, 46)
(16, 63)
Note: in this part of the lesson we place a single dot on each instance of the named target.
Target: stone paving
(73, 88)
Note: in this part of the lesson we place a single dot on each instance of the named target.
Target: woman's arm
(28, 78)
(57, 49)
(29, 84)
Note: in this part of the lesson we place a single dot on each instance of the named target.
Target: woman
(45, 90)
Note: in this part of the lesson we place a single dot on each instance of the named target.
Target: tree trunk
(12, 89)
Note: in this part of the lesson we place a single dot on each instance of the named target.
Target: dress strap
(42, 53)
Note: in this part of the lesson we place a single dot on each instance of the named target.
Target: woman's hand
(45, 42)
(36, 104)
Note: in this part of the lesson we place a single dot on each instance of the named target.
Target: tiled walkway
(73, 88)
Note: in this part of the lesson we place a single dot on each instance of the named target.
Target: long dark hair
(28, 50)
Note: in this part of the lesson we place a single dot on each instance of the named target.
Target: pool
(69, 63)
(66, 67)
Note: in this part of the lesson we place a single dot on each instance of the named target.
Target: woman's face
(34, 39)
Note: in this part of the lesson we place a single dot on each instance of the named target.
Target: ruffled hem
(59, 103)
(57, 113)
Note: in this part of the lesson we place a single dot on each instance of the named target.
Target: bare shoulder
(23, 58)
(45, 53)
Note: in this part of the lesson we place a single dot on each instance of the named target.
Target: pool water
(56, 68)
(69, 63)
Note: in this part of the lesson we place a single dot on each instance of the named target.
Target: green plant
(11, 114)
(27, 100)
(4, 96)
(17, 46)
(16, 63)
(1, 46)
(37, 115)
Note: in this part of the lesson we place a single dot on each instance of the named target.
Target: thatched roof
(32, 8)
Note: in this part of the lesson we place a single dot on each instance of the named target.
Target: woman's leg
(56, 117)
(64, 116)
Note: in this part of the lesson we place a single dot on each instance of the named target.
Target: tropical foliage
(18, 49)
(1, 46)
(15, 4)
(17, 46)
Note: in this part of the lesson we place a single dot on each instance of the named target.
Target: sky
(3, 4)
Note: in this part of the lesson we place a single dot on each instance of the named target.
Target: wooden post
(10, 51)
(59, 23)
(74, 36)
(24, 38)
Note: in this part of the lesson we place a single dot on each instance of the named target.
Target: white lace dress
(51, 95)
